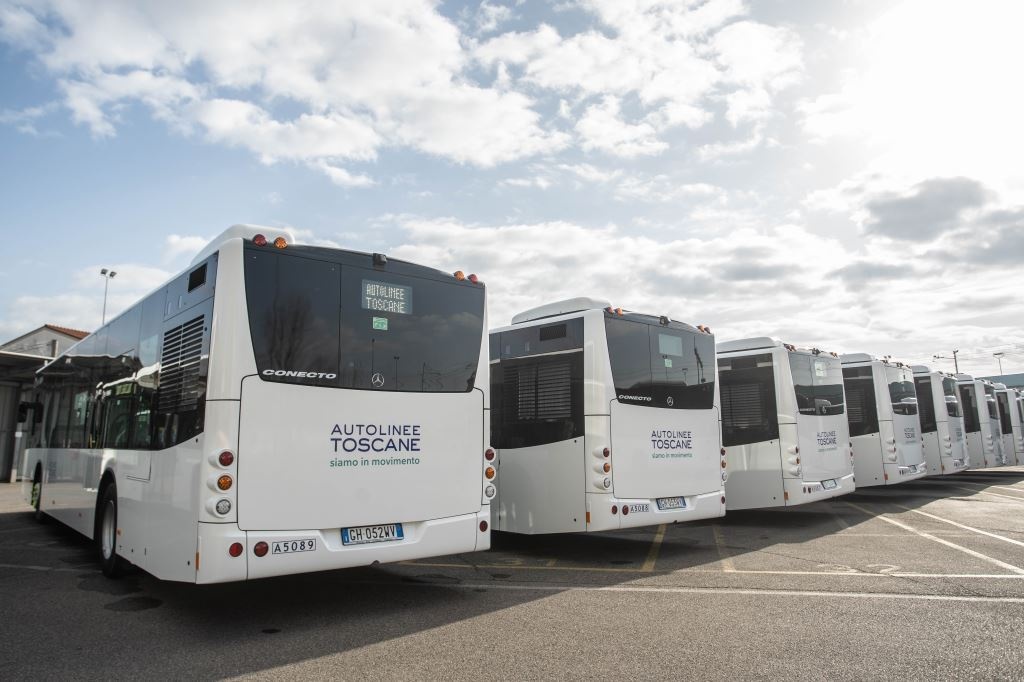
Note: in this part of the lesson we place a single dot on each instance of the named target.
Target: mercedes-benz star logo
(377, 380)
(671, 401)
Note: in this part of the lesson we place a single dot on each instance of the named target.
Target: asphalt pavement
(922, 580)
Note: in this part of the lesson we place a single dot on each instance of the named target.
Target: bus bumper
(645, 512)
(901, 473)
(797, 491)
(953, 466)
(422, 539)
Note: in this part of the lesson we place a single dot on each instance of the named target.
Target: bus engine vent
(180, 385)
(540, 392)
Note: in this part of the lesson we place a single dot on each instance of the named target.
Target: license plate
(292, 546)
(360, 535)
(671, 503)
(829, 484)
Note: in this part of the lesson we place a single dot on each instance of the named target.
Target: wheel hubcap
(107, 532)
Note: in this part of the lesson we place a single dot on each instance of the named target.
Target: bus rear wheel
(106, 534)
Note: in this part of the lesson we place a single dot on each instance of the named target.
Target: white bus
(1010, 420)
(274, 409)
(981, 438)
(942, 421)
(884, 428)
(603, 419)
(784, 425)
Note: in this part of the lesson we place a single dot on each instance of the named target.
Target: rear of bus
(976, 424)
(942, 429)
(995, 424)
(362, 416)
(664, 449)
(819, 464)
(901, 436)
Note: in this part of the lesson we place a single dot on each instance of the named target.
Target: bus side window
(749, 406)
(925, 404)
(862, 409)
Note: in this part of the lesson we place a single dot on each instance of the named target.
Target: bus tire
(37, 495)
(106, 533)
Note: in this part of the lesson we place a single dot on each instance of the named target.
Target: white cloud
(176, 246)
(602, 128)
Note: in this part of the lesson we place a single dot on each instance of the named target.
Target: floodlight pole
(107, 275)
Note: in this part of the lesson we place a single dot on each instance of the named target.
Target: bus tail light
(615, 509)
(483, 526)
(607, 467)
(489, 454)
(490, 491)
(606, 453)
(235, 549)
(224, 482)
(221, 507)
(607, 483)
(226, 458)
(259, 240)
(490, 473)
(474, 279)
(261, 548)
(625, 510)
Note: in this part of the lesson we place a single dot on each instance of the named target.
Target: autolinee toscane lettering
(376, 438)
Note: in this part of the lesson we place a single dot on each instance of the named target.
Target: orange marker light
(607, 467)
(280, 242)
(224, 482)
(460, 275)
(489, 473)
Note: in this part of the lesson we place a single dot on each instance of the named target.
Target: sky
(841, 174)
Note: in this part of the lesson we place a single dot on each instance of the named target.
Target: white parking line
(960, 525)
(965, 550)
(723, 591)
(988, 492)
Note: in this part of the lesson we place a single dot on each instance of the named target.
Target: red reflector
(625, 509)
(235, 549)
(615, 509)
(723, 498)
(489, 455)
(483, 526)
(261, 549)
(226, 458)
(259, 240)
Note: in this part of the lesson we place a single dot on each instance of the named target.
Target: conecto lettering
(297, 374)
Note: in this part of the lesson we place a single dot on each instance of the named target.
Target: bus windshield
(661, 366)
(325, 322)
(818, 381)
(901, 391)
(949, 391)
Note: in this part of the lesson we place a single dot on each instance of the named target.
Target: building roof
(76, 333)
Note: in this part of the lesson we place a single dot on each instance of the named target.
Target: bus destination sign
(387, 298)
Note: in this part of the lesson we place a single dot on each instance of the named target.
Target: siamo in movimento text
(374, 445)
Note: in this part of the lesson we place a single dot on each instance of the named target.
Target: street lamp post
(956, 365)
(107, 275)
(999, 358)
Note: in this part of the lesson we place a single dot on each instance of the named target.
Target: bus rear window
(660, 366)
(818, 381)
(323, 323)
(952, 402)
(1004, 412)
(901, 391)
